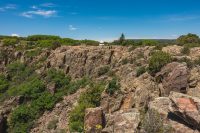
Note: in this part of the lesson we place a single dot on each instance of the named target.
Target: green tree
(189, 38)
(122, 38)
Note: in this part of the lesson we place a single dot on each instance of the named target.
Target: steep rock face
(94, 120)
(145, 90)
(81, 61)
(174, 77)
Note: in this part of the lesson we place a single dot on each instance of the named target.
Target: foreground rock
(174, 77)
(179, 111)
(187, 108)
(94, 120)
(122, 121)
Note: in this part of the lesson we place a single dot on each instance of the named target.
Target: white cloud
(48, 5)
(72, 28)
(34, 7)
(8, 7)
(44, 13)
(16, 35)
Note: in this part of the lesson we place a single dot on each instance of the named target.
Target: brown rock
(122, 122)
(94, 120)
(145, 90)
(195, 53)
(187, 108)
(111, 104)
(177, 121)
(173, 50)
(174, 77)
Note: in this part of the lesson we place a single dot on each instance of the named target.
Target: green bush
(18, 71)
(42, 37)
(58, 77)
(158, 60)
(185, 50)
(3, 83)
(52, 44)
(28, 89)
(21, 119)
(189, 38)
(103, 70)
(91, 98)
(112, 87)
(33, 53)
(10, 41)
(140, 71)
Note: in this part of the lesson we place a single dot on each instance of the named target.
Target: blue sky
(100, 19)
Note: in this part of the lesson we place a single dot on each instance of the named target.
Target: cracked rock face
(180, 111)
(122, 121)
(174, 77)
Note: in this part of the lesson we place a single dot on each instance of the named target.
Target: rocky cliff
(167, 101)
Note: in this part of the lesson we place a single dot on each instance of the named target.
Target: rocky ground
(171, 104)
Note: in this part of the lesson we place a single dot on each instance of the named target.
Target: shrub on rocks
(158, 60)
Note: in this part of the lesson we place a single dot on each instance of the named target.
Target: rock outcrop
(122, 121)
(174, 77)
(173, 50)
(94, 120)
(180, 111)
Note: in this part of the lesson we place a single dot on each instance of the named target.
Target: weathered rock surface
(122, 121)
(194, 53)
(187, 108)
(111, 103)
(9, 105)
(174, 77)
(145, 90)
(179, 111)
(94, 120)
(173, 50)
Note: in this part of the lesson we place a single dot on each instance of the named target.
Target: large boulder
(173, 50)
(122, 121)
(94, 120)
(187, 108)
(145, 90)
(111, 104)
(178, 112)
(195, 53)
(174, 77)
